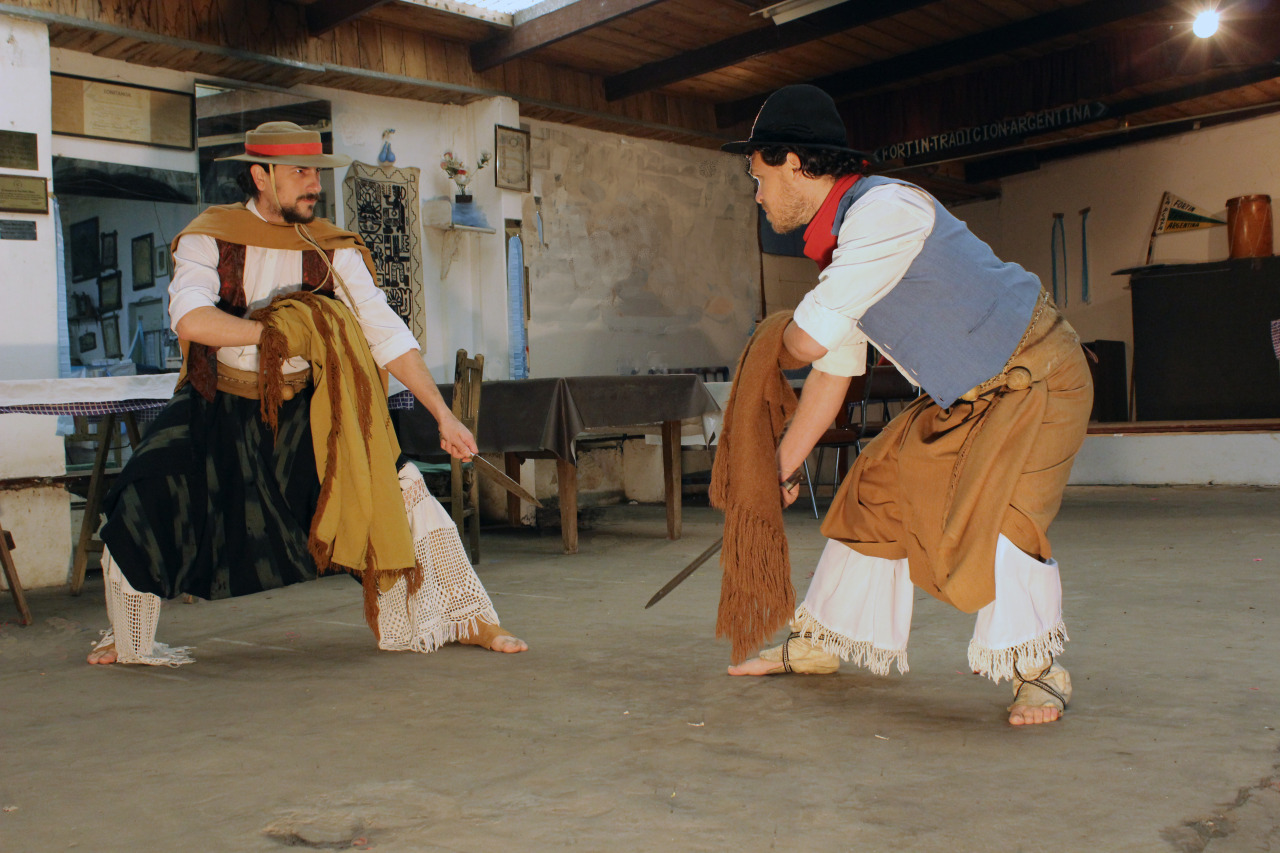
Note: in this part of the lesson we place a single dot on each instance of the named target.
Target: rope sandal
(1051, 688)
(806, 658)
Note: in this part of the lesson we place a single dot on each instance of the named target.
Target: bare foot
(1026, 715)
(496, 639)
(803, 655)
(756, 666)
(103, 654)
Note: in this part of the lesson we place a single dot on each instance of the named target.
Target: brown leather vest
(202, 360)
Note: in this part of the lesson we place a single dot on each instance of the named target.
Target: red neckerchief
(819, 242)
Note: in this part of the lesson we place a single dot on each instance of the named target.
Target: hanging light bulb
(1206, 23)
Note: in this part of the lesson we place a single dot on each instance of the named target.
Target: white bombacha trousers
(859, 608)
(447, 606)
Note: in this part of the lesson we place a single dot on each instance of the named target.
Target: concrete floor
(619, 730)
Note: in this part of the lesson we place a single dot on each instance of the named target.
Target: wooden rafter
(570, 20)
(754, 42)
(326, 15)
(962, 51)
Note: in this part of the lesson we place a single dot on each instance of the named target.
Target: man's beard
(789, 215)
(294, 217)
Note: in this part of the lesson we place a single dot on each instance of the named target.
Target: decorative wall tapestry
(382, 207)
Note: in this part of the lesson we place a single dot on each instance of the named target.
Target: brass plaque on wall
(23, 194)
(18, 150)
(105, 109)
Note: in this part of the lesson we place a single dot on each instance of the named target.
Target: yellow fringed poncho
(360, 523)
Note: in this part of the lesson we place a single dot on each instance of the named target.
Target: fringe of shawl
(756, 595)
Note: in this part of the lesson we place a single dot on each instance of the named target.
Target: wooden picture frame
(107, 258)
(111, 337)
(87, 342)
(511, 158)
(109, 296)
(164, 263)
(143, 267)
(83, 249)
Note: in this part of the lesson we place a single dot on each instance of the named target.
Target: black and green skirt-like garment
(211, 505)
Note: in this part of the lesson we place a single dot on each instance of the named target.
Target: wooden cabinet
(1202, 340)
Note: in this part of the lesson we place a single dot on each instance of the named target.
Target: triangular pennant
(1177, 214)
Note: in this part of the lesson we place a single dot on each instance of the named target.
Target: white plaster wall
(467, 308)
(1123, 189)
(1218, 459)
(650, 258)
(37, 517)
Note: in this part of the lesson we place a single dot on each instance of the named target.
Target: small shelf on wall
(472, 228)
(451, 231)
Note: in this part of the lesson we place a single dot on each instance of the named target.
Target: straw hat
(286, 144)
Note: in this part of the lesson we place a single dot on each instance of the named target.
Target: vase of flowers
(460, 174)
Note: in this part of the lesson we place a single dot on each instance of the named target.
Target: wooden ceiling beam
(962, 51)
(754, 42)
(1135, 59)
(326, 15)
(567, 21)
(1014, 162)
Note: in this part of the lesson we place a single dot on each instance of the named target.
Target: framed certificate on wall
(511, 169)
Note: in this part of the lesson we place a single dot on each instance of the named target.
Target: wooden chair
(11, 577)
(463, 494)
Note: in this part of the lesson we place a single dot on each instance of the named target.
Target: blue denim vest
(957, 314)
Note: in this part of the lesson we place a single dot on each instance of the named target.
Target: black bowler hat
(803, 116)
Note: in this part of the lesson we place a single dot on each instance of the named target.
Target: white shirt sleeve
(881, 235)
(387, 334)
(195, 282)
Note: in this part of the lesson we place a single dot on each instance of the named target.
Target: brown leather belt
(244, 383)
(1045, 344)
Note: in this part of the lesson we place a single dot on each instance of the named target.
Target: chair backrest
(467, 376)
(885, 384)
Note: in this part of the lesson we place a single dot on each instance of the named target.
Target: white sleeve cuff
(825, 325)
(848, 359)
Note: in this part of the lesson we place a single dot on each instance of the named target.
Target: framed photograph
(164, 265)
(111, 337)
(84, 250)
(107, 260)
(511, 166)
(88, 341)
(143, 263)
(109, 298)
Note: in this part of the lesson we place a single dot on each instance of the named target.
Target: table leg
(567, 474)
(511, 465)
(671, 476)
(93, 503)
(11, 578)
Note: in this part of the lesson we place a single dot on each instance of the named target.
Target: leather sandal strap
(1038, 681)
(786, 652)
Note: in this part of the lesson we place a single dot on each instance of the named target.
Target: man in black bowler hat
(956, 494)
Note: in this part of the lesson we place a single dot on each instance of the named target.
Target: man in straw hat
(230, 494)
(956, 494)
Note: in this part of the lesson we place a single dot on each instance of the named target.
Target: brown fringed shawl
(360, 523)
(756, 595)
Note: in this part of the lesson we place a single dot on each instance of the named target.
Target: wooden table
(542, 418)
(110, 399)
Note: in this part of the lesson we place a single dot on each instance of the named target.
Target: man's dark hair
(244, 180)
(815, 163)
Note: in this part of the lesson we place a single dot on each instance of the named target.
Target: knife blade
(484, 466)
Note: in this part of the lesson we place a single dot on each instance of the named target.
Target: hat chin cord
(313, 243)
